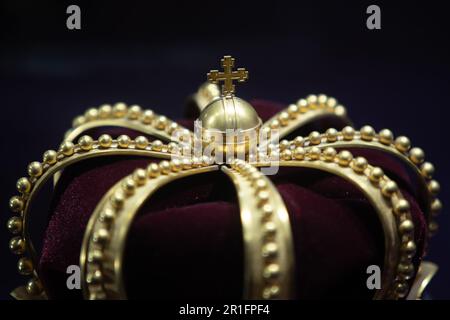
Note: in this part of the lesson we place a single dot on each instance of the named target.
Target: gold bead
(153, 170)
(141, 142)
(267, 209)
(85, 143)
(91, 114)
(161, 122)
(284, 144)
(95, 256)
(436, 206)
(35, 169)
(292, 111)
(367, 133)
(302, 105)
(331, 102)
(401, 289)
(409, 248)
(23, 185)
(94, 278)
(119, 110)
(123, 141)
(134, 112)
(271, 271)
(196, 162)
(322, 100)
(104, 111)
(67, 148)
(50, 157)
(105, 141)
(433, 228)
(165, 166)
(283, 118)
(427, 170)
(260, 184)
(314, 153)
(108, 214)
(298, 141)
(101, 236)
(140, 176)
(186, 163)
(269, 250)
(117, 199)
(78, 121)
(25, 266)
(173, 126)
(348, 133)
(340, 111)
(386, 136)
(262, 197)
(434, 187)
(299, 153)
(175, 165)
(401, 207)
(376, 174)
(269, 229)
(406, 270)
(315, 138)
(17, 245)
(34, 286)
(286, 154)
(329, 153)
(173, 148)
(344, 158)
(14, 225)
(312, 100)
(129, 185)
(331, 134)
(274, 124)
(359, 164)
(16, 204)
(389, 188)
(147, 116)
(157, 145)
(406, 227)
(416, 155)
(402, 144)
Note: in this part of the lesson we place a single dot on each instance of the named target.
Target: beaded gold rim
(53, 162)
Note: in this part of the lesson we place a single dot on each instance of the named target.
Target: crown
(269, 264)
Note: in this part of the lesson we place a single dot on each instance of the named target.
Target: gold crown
(269, 259)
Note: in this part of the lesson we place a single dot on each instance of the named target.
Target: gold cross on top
(228, 75)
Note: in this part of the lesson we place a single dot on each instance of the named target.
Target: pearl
(299, 153)
(340, 111)
(262, 196)
(293, 111)
(283, 118)
(140, 176)
(344, 158)
(85, 143)
(267, 209)
(427, 170)
(101, 236)
(14, 225)
(271, 271)
(331, 102)
(402, 144)
(104, 111)
(119, 110)
(401, 207)
(322, 99)
(298, 141)
(161, 122)
(286, 154)
(434, 187)
(78, 121)
(367, 133)
(269, 228)
(186, 163)
(314, 138)
(128, 186)
(271, 291)
(386, 136)
(157, 145)
(173, 126)
(105, 141)
(147, 116)
(25, 266)
(165, 166)
(17, 245)
(348, 133)
(134, 112)
(406, 227)
(329, 153)
(35, 169)
(436, 206)
(389, 188)
(332, 135)
(409, 248)
(314, 153)
(16, 204)
(91, 114)
(359, 164)
(23, 185)
(302, 105)
(34, 286)
(117, 199)
(312, 100)
(260, 184)
(153, 170)
(417, 155)
(108, 214)
(123, 141)
(67, 148)
(269, 250)
(141, 142)
(376, 174)
(175, 165)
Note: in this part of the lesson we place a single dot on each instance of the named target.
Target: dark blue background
(156, 54)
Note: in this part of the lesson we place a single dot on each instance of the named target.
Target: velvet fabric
(186, 242)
